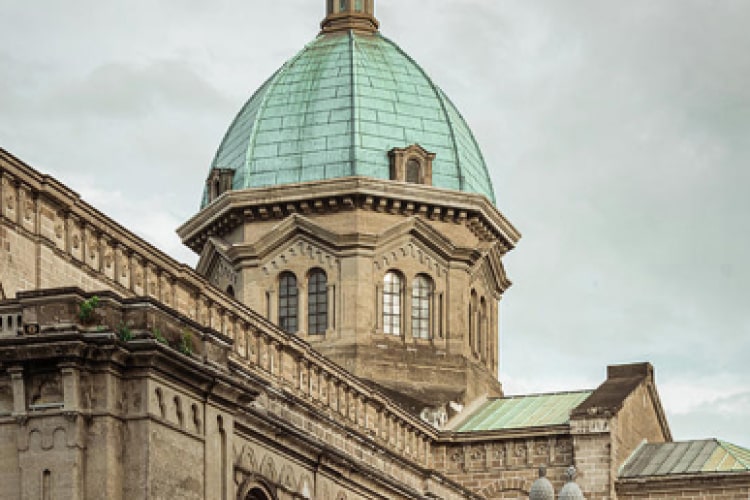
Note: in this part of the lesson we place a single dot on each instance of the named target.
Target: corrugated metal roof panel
(520, 412)
(689, 457)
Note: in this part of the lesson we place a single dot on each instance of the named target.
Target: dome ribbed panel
(397, 106)
(233, 150)
(303, 131)
(471, 162)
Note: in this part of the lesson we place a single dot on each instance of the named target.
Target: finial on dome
(571, 491)
(570, 473)
(344, 15)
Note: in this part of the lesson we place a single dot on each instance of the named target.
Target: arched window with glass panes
(288, 302)
(317, 302)
(392, 303)
(421, 307)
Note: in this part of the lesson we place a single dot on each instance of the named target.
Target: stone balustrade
(69, 242)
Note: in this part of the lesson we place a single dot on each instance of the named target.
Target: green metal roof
(519, 412)
(337, 108)
(688, 457)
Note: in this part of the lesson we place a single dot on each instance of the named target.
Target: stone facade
(357, 231)
(176, 388)
(95, 415)
(67, 385)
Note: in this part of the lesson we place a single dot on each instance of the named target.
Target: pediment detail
(411, 249)
(282, 238)
(491, 270)
(300, 248)
(216, 266)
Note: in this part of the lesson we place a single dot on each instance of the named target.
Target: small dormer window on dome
(219, 181)
(412, 164)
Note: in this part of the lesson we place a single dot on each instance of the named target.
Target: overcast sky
(617, 135)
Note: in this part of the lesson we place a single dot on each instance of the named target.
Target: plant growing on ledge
(87, 309)
(159, 336)
(186, 343)
(125, 334)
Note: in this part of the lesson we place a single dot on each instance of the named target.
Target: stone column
(331, 312)
(19, 391)
(302, 308)
(71, 387)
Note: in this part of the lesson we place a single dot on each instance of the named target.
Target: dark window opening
(413, 172)
(288, 302)
(257, 494)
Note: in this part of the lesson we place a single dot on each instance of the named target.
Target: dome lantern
(344, 15)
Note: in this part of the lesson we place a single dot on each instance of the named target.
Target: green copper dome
(337, 108)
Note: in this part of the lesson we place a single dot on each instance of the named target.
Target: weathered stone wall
(116, 419)
(10, 471)
(131, 267)
(505, 467)
(593, 461)
(357, 235)
(637, 420)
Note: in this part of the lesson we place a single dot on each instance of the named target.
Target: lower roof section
(520, 412)
(687, 457)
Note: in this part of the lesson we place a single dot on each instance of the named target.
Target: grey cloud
(118, 89)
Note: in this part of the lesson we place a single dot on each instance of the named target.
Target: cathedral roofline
(277, 202)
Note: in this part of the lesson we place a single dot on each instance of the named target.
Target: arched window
(413, 172)
(288, 302)
(257, 494)
(342, 5)
(421, 300)
(392, 285)
(317, 303)
(358, 5)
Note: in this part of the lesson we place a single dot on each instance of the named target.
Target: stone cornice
(337, 243)
(683, 482)
(503, 435)
(348, 193)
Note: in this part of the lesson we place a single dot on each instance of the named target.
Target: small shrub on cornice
(125, 334)
(87, 310)
(186, 343)
(159, 336)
